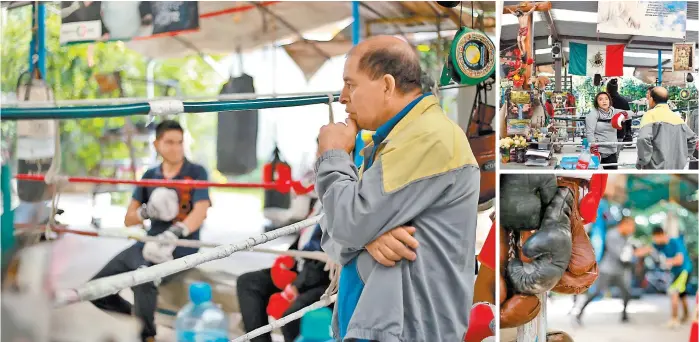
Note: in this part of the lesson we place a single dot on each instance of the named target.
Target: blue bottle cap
(199, 293)
(316, 325)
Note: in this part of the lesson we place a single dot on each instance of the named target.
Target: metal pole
(38, 53)
(660, 67)
(356, 37)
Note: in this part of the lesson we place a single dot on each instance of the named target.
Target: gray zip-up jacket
(664, 140)
(422, 174)
(598, 128)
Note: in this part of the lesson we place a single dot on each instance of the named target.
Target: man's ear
(389, 84)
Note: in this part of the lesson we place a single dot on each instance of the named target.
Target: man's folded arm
(359, 211)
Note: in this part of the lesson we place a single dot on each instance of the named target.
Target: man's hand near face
(338, 136)
(393, 246)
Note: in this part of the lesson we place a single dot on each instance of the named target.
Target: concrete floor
(232, 218)
(601, 321)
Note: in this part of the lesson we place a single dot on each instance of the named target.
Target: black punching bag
(236, 141)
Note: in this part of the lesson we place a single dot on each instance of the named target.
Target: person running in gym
(615, 267)
(677, 258)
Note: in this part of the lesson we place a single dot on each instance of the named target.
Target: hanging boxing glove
(481, 322)
(581, 272)
(518, 310)
(549, 248)
(590, 202)
(522, 198)
(281, 271)
(280, 302)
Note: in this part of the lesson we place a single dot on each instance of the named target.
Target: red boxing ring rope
(283, 186)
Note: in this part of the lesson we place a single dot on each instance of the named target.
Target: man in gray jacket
(664, 140)
(418, 171)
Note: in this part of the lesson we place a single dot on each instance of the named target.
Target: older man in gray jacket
(418, 170)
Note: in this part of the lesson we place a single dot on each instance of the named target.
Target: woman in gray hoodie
(598, 128)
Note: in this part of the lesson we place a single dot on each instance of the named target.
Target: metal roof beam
(650, 45)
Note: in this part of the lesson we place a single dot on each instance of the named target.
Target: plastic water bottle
(201, 320)
(316, 326)
(584, 158)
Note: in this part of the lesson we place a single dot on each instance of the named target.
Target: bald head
(657, 95)
(388, 55)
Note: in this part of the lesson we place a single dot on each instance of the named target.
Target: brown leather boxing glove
(518, 310)
(558, 336)
(582, 268)
(583, 255)
(576, 284)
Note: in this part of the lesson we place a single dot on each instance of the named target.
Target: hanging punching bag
(35, 144)
(277, 204)
(236, 141)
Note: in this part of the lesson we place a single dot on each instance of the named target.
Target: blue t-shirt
(189, 171)
(671, 249)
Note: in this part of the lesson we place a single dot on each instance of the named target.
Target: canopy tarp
(645, 191)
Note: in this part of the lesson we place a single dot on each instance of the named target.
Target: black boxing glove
(549, 249)
(522, 198)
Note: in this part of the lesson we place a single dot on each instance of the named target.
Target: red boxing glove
(281, 272)
(280, 302)
(618, 120)
(481, 322)
(590, 203)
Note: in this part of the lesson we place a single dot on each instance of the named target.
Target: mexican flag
(588, 60)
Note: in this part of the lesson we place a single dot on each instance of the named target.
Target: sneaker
(672, 324)
(578, 320)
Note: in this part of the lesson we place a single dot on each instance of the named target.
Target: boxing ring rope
(110, 285)
(121, 233)
(281, 186)
(164, 107)
(601, 143)
(102, 287)
(323, 302)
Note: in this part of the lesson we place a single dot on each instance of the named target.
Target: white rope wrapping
(111, 285)
(166, 107)
(323, 302)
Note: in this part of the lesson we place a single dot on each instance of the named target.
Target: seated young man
(173, 214)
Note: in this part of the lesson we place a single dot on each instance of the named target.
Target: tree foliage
(71, 78)
(629, 87)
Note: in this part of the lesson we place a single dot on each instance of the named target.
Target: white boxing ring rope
(323, 302)
(110, 285)
(320, 256)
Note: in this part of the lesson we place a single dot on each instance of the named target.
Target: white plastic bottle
(584, 158)
(201, 320)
